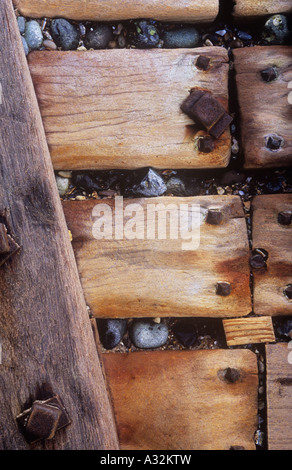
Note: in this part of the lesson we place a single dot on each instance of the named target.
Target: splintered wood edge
(112, 10)
(240, 331)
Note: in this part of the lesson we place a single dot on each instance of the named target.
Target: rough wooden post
(45, 333)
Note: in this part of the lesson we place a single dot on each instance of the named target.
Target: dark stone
(98, 36)
(65, 34)
(144, 34)
(111, 331)
(232, 177)
(187, 37)
(151, 185)
(283, 329)
(176, 186)
(276, 30)
(186, 332)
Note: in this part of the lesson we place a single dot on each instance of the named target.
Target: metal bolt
(269, 74)
(206, 144)
(214, 217)
(43, 419)
(223, 289)
(203, 62)
(285, 218)
(258, 258)
(288, 291)
(274, 142)
(231, 375)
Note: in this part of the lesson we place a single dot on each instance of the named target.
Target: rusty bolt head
(274, 142)
(288, 292)
(43, 419)
(214, 217)
(258, 258)
(203, 62)
(231, 375)
(221, 126)
(223, 289)
(285, 218)
(206, 144)
(269, 74)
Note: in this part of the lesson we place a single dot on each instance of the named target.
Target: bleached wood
(254, 8)
(156, 277)
(268, 234)
(120, 108)
(113, 10)
(251, 330)
(264, 107)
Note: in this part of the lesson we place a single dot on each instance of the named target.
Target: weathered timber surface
(276, 239)
(99, 10)
(45, 334)
(279, 396)
(251, 330)
(124, 277)
(255, 8)
(115, 109)
(264, 107)
(172, 400)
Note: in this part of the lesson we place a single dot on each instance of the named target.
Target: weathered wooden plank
(98, 10)
(264, 105)
(249, 330)
(256, 8)
(121, 108)
(271, 281)
(124, 277)
(45, 336)
(172, 400)
(279, 395)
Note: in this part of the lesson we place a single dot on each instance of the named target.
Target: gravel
(65, 34)
(98, 36)
(33, 35)
(183, 37)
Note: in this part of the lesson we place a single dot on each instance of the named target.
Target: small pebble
(62, 185)
(33, 35)
(187, 37)
(65, 34)
(151, 185)
(176, 186)
(25, 46)
(146, 334)
(144, 34)
(276, 30)
(98, 36)
(111, 331)
(186, 332)
(21, 24)
(49, 45)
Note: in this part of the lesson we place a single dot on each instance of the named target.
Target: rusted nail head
(285, 218)
(258, 258)
(43, 421)
(223, 289)
(206, 144)
(203, 62)
(214, 217)
(288, 291)
(274, 142)
(269, 74)
(231, 375)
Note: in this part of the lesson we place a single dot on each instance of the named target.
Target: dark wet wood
(173, 400)
(46, 339)
(99, 10)
(269, 234)
(265, 107)
(279, 395)
(120, 108)
(161, 277)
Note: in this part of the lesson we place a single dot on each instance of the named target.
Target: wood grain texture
(251, 330)
(279, 396)
(156, 277)
(113, 109)
(267, 233)
(46, 339)
(100, 10)
(264, 107)
(174, 400)
(255, 8)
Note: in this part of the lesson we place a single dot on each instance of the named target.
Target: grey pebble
(21, 24)
(65, 34)
(150, 186)
(33, 35)
(49, 45)
(98, 36)
(276, 30)
(184, 37)
(25, 46)
(146, 334)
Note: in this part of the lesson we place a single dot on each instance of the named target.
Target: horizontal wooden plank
(120, 108)
(256, 8)
(249, 330)
(161, 277)
(173, 400)
(270, 235)
(264, 107)
(99, 10)
(279, 395)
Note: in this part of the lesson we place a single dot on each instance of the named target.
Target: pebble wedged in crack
(146, 334)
